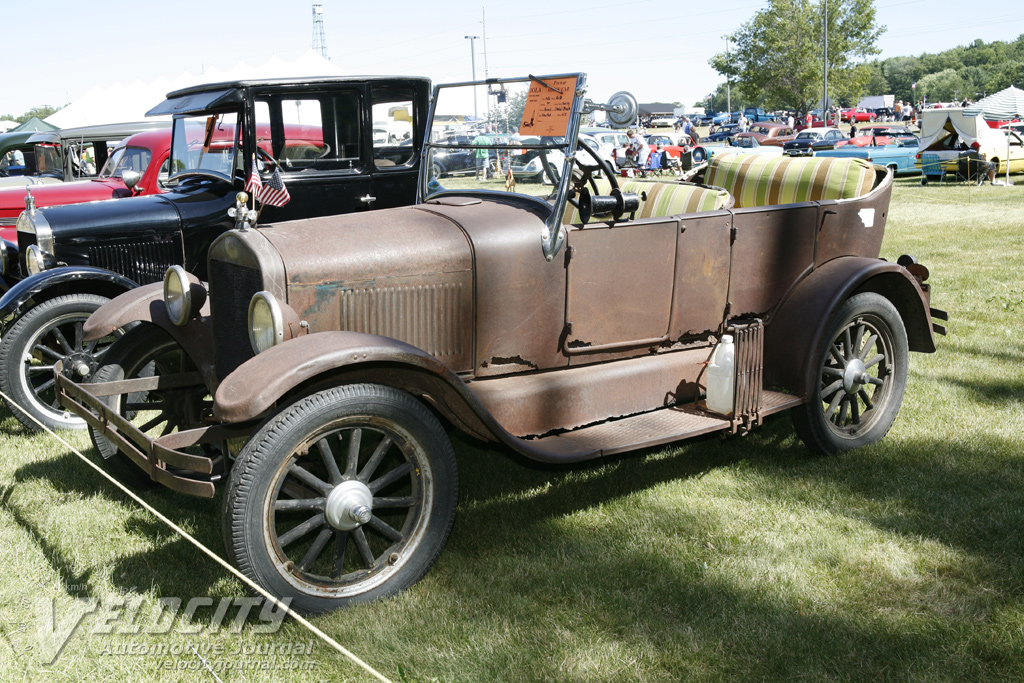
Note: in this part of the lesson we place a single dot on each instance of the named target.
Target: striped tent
(1004, 105)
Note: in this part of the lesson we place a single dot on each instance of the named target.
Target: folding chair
(653, 164)
(931, 167)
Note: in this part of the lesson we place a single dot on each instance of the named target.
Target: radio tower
(319, 42)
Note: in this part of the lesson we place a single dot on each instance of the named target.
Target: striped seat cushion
(663, 199)
(756, 180)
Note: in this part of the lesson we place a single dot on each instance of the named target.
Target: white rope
(217, 558)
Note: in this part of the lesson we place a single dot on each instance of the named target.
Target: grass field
(738, 559)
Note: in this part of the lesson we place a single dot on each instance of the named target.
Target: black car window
(393, 125)
(312, 132)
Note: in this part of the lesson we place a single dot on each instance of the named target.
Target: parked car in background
(857, 115)
(137, 166)
(726, 117)
(77, 257)
(561, 324)
(801, 144)
(608, 140)
(879, 134)
(769, 133)
(756, 114)
(36, 158)
(723, 132)
(899, 156)
(739, 144)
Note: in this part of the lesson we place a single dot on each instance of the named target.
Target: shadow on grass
(174, 567)
(520, 570)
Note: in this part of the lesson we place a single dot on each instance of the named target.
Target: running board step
(650, 429)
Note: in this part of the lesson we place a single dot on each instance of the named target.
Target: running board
(650, 429)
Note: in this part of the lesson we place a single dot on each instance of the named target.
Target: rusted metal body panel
(802, 320)
(538, 403)
(401, 273)
(853, 227)
(519, 296)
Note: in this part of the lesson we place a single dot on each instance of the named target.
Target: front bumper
(163, 458)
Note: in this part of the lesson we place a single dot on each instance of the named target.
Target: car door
(317, 135)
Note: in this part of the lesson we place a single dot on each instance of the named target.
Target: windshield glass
(505, 137)
(205, 144)
(47, 158)
(126, 159)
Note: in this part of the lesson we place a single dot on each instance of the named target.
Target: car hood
(12, 200)
(365, 249)
(152, 213)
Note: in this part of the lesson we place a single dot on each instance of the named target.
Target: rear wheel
(43, 335)
(344, 497)
(859, 377)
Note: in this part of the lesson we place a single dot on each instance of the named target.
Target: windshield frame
(552, 236)
(184, 124)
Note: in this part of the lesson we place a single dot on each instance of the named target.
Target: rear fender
(64, 280)
(146, 304)
(796, 332)
(306, 363)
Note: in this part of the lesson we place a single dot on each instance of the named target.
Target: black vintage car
(315, 135)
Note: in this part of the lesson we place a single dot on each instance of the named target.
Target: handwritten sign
(548, 107)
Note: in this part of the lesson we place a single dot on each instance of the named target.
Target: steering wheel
(586, 174)
(269, 162)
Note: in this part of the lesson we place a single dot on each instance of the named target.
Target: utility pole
(824, 66)
(728, 82)
(472, 61)
(487, 74)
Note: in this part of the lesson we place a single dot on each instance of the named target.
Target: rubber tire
(18, 338)
(249, 486)
(126, 355)
(809, 419)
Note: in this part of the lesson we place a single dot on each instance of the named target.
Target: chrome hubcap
(349, 505)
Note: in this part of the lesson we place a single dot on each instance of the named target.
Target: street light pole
(472, 61)
(728, 82)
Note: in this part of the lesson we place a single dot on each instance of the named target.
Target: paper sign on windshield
(548, 107)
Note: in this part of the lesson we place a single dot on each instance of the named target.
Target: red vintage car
(136, 167)
(877, 135)
(857, 115)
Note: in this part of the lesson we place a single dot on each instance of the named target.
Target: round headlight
(266, 323)
(35, 262)
(177, 295)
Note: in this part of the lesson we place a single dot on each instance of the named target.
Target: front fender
(146, 304)
(20, 293)
(796, 331)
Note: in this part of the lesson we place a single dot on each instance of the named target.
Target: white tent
(123, 103)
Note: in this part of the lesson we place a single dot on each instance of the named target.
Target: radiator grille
(142, 262)
(231, 289)
(426, 316)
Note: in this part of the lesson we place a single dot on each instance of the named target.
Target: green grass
(737, 559)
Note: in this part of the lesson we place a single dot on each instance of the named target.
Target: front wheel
(345, 496)
(858, 378)
(43, 335)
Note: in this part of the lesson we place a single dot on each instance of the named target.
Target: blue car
(899, 157)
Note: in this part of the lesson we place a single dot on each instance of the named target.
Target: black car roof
(212, 95)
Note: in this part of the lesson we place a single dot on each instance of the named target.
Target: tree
(37, 112)
(778, 55)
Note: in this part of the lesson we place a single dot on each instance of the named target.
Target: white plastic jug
(721, 377)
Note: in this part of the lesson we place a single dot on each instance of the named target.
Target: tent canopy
(120, 103)
(33, 124)
(1005, 105)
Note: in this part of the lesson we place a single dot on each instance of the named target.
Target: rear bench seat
(756, 180)
(663, 199)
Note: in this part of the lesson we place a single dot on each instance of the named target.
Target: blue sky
(657, 49)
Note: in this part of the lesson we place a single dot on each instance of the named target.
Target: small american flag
(254, 185)
(274, 192)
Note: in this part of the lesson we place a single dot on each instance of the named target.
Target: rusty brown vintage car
(318, 369)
